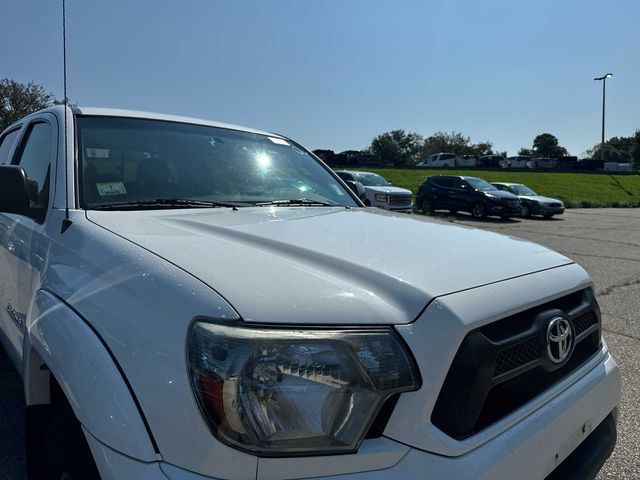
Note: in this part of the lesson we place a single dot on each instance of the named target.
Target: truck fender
(89, 376)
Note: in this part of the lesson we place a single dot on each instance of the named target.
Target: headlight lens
(381, 197)
(284, 391)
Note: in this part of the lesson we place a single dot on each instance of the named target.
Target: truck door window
(35, 157)
(5, 145)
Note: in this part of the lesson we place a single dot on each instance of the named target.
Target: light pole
(604, 87)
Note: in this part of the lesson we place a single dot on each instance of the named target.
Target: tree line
(401, 148)
(398, 147)
(619, 149)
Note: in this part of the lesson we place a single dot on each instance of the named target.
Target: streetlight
(604, 84)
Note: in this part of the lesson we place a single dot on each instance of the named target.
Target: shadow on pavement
(470, 218)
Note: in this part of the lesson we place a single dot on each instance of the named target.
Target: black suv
(470, 194)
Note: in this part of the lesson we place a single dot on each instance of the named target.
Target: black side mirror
(357, 188)
(14, 195)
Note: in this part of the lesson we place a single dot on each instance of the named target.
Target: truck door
(22, 241)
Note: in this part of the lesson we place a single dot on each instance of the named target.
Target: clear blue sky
(334, 73)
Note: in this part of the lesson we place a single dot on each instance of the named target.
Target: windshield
(127, 160)
(522, 190)
(372, 180)
(479, 184)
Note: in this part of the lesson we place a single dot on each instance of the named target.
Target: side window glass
(439, 182)
(35, 157)
(446, 182)
(5, 146)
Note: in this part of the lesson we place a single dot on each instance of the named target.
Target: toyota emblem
(559, 339)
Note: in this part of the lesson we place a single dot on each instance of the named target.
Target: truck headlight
(281, 391)
(381, 197)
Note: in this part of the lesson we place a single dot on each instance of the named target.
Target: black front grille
(517, 355)
(400, 199)
(503, 365)
(584, 322)
(555, 205)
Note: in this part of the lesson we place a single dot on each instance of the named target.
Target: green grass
(574, 189)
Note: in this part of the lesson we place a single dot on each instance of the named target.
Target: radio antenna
(66, 223)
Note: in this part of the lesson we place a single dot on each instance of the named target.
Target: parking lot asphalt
(606, 242)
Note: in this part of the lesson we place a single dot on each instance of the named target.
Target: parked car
(355, 157)
(618, 167)
(353, 184)
(519, 161)
(467, 161)
(175, 313)
(567, 163)
(542, 162)
(439, 160)
(490, 161)
(589, 165)
(379, 192)
(468, 194)
(532, 203)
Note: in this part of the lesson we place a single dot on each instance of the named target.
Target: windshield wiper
(306, 202)
(168, 203)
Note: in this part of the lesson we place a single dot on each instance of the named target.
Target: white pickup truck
(191, 300)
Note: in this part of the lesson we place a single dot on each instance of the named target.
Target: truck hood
(320, 265)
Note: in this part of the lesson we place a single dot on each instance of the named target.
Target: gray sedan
(532, 203)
